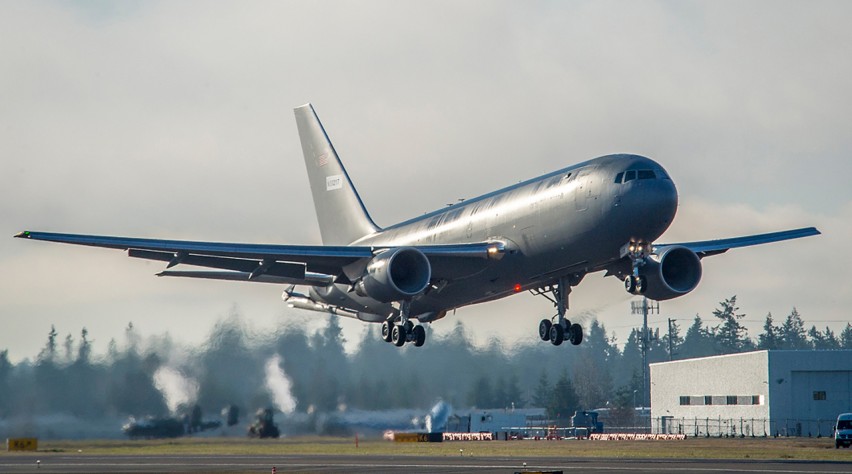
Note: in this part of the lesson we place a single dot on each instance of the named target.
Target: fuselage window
(646, 174)
(629, 175)
(619, 176)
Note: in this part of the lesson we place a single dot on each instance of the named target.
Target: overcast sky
(174, 120)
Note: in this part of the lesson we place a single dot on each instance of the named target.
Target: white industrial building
(761, 393)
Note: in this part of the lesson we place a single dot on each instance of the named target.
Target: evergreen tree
(84, 351)
(48, 354)
(5, 375)
(823, 340)
(541, 396)
(591, 381)
(68, 345)
(699, 340)
(631, 357)
(563, 401)
(500, 399)
(676, 340)
(514, 396)
(731, 336)
(622, 411)
(846, 337)
(793, 332)
(771, 337)
(481, 396)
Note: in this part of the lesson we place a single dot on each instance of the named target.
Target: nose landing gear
(635, 283)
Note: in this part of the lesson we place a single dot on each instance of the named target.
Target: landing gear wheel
(557, 334)
(544, 329)
(419, 334)
(641, 286)
(409, 326)
(398, 335)
(576, 334)
(387, 329)
(630, 284)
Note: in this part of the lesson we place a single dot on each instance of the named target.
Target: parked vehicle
(843, 431)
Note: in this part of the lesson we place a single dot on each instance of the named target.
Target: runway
(68, 463)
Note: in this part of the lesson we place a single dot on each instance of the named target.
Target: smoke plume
(436, 420)
(176, 388)
(279, 385)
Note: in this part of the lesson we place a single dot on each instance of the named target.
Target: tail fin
(340, 212)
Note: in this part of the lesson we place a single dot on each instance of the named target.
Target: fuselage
(564, 224)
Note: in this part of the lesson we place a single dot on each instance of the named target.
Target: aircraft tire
(409, 326)
(641, 286)
(398, 335)
(419, 333)
(630, 284)
(387, 330)
(544, 329)
(576, 332)
(557, 334)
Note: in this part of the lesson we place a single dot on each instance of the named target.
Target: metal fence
(737, 427)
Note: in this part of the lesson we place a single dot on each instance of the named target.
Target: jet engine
(673, 272)
(394, 275)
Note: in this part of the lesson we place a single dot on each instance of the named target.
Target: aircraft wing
(283, 264)
(714, 247)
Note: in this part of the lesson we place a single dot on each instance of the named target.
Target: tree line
(228, 368)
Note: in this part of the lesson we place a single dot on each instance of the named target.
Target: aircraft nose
(665, 199)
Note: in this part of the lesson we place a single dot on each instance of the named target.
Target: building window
(731, 400)
(820, 395)
(684, 400)
(708, 400)
(755, 400)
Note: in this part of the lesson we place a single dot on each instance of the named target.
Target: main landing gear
(398, 329)
(560, 330)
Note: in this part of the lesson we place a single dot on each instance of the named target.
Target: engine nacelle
(674, 272)
(395, 275)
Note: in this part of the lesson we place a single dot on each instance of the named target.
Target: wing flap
(281, 269)
(310, 279)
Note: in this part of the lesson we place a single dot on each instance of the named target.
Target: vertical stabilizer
(340, 212)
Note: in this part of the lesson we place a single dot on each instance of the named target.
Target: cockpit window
(619, 176)
(646, 174)
(629, 175)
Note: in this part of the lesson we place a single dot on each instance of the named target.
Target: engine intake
(394, 275)
(674, 272)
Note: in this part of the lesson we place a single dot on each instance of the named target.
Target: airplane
(543, 235)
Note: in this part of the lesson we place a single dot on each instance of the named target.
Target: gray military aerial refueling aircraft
(543, 235)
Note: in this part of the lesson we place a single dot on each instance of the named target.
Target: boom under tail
(341, 214)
